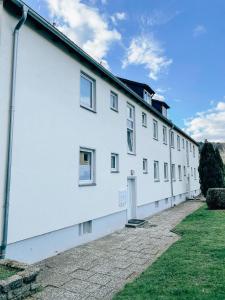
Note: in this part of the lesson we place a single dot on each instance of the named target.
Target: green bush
(215, 198)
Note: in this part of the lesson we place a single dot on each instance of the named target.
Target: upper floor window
(147, 97)
(113, 101)
(156, 170)
(114, 162)
(155, 129)
(193, 150)
(173, 171)
(194, 173)
(86, 170)
(190, 147)
(166, 174)
(191, 171)
(164, 111)
(130, 128)
(178, 143)
(172, 139)
(164, 135)
(145, 165)
(184, 171)
(87, 92)
(144, 119)
(179, 172)
(183, 143)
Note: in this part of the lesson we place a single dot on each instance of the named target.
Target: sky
(175, 46)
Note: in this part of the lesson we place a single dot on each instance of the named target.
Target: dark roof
(107, 75)
(161, 102)
(143, 85)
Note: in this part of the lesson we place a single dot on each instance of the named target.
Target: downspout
(170, 150)
(10, 133)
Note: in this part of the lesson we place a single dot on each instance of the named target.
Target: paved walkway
(100, 268)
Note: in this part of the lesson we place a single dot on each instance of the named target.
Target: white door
(131, 201)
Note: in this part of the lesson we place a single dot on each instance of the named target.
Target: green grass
(192, 268)
(7, 272)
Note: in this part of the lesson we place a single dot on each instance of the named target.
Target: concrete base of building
(40, 247)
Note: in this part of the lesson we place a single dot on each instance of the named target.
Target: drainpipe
(10, 133)
(170, 150)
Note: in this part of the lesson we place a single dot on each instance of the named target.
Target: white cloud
(119, 16)
(209, 124)
(145, 50)
(159, 97)
(85, 26)
(158, 17)
(199, 30)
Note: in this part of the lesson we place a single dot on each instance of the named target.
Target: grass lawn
(6, 272)
(192, 268)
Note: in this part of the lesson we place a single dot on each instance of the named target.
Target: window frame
(144, 119)
(166, 168)
(148, 97)
(156, 163)
(155, 122)
(92, 181)
(133, 130)
(179, 173)
(164, 135)
(93, 92)
(116, 169)
(116, 109)
(145, 165)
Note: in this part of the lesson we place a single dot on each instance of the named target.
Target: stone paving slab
(99, 269)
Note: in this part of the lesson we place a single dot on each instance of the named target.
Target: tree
(210, 173)
(221, 166)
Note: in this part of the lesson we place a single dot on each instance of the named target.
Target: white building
(87, 152)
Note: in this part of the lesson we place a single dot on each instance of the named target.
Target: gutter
(16, 31)
(170, 151)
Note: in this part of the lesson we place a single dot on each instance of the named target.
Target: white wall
(50, 126)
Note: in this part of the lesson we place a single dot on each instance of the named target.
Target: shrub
(216, 198)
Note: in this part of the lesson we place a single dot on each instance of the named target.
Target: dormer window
(147, 97)
(164, 111)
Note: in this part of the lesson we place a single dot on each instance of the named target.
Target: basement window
(85, 227)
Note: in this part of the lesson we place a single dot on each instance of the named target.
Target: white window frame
(116, 169)
(156, 170)
(173, 172)
(155, 133)
(93, 92)
(144, 119)
(179, 172)
(172, 139)
(178, 142)
(113, 94)
(164, 135)
(93, 167)
(131, 128)
(147, 97)
(166, 171)
(145, 165)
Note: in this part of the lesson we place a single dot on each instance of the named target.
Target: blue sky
(175, 46)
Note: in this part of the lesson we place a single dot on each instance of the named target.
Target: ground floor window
(145, 165)
(179, 172)
(86, 169)
(114, 162)
(156, 170)
(166, 177)
(173, 171)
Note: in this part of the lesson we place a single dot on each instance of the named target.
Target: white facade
(47, 203)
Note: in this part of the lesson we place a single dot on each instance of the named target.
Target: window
(194, 173)
(178, 143)
(179, 172)
(184, 171)
(156, 203)
(173, 171)
(193, 150)
(147, 97)
(191, 171)
(130, 129)
(164, 135)
(144, 119)
(166, 177)
(155, 129)
(114, 162)
(85, 227)
(145, 165)
(86, 171)
(190, 147)
(87, 92)
(172, 139)
(156, 170)
(164, 111)
(113, 101)
(183, 143)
